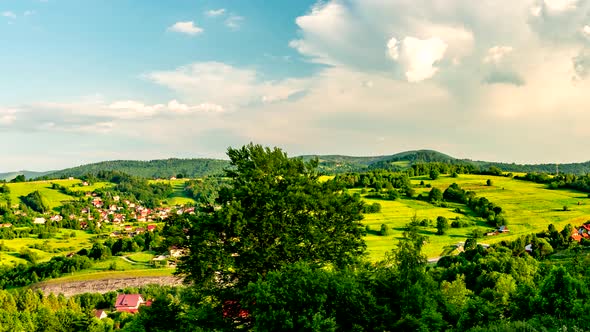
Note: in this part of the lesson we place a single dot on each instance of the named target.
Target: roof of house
(128, 300)
(99, 313)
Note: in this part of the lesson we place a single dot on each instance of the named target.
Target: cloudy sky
(84, 81)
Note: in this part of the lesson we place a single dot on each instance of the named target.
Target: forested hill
(328, 164)
(164, 168)
(331, 164)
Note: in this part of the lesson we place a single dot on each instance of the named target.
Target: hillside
(28, 174)
(164, 168)
(328, 164)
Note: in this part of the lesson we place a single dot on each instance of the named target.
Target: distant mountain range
(28, 174)
(328, 164)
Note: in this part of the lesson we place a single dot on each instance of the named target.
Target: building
(129, 303)
(100, 314)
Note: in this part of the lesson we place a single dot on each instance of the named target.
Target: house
(39, 221)
(528, 248)
(128, 228)
(129, 302)
(151, 228)
(57, 217)
(85, 184)
(503, 229)
(177, 252)
(116, 198)
(8, 225)
(100, 314)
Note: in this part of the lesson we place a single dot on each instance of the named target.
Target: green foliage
(435, 195)
(274, 213)
(191, 168)
(442, 225)
(434, 173)
(35, 202)
(384, 231)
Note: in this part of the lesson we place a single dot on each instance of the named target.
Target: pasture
(52, 196)
(60, 245)
(529, 207)
(178, 197)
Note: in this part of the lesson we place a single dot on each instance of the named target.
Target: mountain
(328, 164)
(28, 175)
(164, 168)
(399, 161)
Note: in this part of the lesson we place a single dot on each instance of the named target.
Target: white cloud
(178, 107)
(133, 109)
(234, 22)
(188, 28)
(418, 56)
(561, 5)
(215, 12)
(7, 116)
(496, 54)
(9, 14)
(225, 85)
(586, 30)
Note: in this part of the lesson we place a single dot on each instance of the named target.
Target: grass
(179, 196)
(53, 197)
(62, 240)
(92, 187)
(529, 207)
(141, 257)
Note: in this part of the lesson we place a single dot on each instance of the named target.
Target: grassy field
(529, 207)
(53, 197)
(62, 240)
(178, 197)
(93, 186)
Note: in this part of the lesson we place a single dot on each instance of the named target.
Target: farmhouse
(129, 302)
(100, 314)
(39, 221)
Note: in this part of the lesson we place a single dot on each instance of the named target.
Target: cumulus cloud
(418, 56)
(188, 28)
(586, 30)
(215, 12)
(496, 54)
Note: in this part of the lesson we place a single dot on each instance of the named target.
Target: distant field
(62, 240)
(97, 185)
(178, 197)
(53, 197)
(529, 208)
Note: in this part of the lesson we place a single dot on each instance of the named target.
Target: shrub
(384, 230)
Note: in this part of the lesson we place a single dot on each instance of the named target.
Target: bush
(489, 183)
(384, 230)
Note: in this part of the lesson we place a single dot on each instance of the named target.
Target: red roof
(128, 302)
(577, 237)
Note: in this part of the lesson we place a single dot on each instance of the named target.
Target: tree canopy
(274, 212)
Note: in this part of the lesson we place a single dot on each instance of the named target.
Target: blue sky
(84, 81)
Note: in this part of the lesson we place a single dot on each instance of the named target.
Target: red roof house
(129, 302)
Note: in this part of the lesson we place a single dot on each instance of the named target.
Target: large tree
(274, 212)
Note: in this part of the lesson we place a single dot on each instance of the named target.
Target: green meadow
(529, 207)
(178, 196)
(53, 197)
(63, 243)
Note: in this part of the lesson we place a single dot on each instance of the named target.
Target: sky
(90, 80)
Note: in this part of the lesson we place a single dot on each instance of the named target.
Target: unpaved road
(105, 285)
